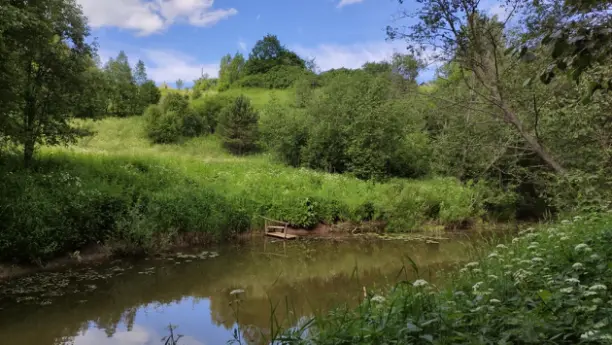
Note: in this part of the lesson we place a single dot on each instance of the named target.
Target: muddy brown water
(133, 303)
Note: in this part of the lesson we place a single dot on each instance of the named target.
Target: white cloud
(343, 3)
(329, 56)
(242, 45)
(151, 16)
(169, 66)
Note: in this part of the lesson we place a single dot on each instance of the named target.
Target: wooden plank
(281, 235)
(276, 227)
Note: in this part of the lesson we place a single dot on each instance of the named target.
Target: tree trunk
(28, 151)
(532, 141)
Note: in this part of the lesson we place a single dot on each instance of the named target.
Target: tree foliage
(238, 126)
(45, 55)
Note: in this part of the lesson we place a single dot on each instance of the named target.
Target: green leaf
(545, 295)
(527, 82)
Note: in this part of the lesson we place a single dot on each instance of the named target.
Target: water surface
(133, 303)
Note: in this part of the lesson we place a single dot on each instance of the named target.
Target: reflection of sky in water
(191, 316)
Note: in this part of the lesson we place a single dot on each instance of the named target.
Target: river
(207, 295)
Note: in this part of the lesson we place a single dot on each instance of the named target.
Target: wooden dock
(277, 229)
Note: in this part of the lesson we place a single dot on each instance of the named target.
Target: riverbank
(549, 285)
(115, 189)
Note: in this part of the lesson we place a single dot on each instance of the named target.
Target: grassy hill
(115, 187)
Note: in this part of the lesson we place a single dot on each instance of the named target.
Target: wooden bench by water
(277, 229)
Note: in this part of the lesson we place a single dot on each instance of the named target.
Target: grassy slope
(115, 186)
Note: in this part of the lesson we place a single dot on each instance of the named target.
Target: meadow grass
(547, 286)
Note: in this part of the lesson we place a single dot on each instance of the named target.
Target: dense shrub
(164, 127)
(278, 77)
(210, 107)
(238, 126)
(355, 124)
(283, 131)
(69, 203)
(174, 118)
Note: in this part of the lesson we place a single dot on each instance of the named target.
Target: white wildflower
(563, 238)
(577, 266)
(525, 262)
(589, 293)
(577, 218)
(492, 276)
(477, 286)
(378, 299)
(419, 283)
(459, 293)
(581, 246)
(572, 281)
(493, 255)
(598, 287)
(476, 270)
(565, 221)
(567, 290)
(537, 259)
(589, 335)
(463, 270)
(494, 301)
(501, 246)
(594, 256)
(515, 240)
(597, 300)
(508, 267)
(532, 247)
(471, 264)
(531, 235)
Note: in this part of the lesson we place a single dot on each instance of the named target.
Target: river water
(212, 296)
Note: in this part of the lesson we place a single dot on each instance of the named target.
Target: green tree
(124, 91)
(268, 53)
(140, 73)
(148, 93)
(477, 43)
(179, 84)
(93, 100)
(238, 126)
(236, 68)
(46, 57)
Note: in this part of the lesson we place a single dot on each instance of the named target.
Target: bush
(67, 203)
(283, 132)
(238, 126)
(278, 77)
(304, 91)
(210, 108)
(173, 101)
(166, 128)
(173, 119)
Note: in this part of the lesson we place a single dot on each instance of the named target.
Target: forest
(514, 127)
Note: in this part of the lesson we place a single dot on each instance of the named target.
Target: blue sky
(178, 38)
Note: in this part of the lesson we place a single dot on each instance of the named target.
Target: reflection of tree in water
(315, 277)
